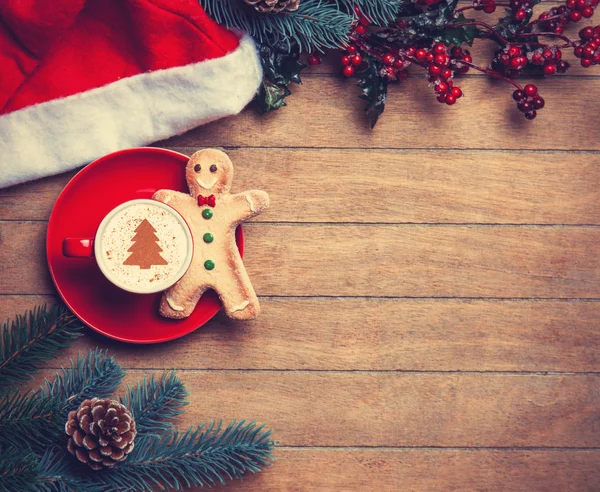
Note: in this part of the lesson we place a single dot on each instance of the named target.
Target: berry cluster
(509, 61)
(588, 48)
(459, 59)
(528, 100)
(557, 18)
(350, 60)
(488, 6)
(437, 61)
(521, 9)
(549, 58)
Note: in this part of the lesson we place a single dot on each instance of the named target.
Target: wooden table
(430, 289)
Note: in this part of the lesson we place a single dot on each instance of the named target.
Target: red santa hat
(82, 78)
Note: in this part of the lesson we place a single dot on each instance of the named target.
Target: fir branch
(93, 375)
(205, 456)
(315, 25)
(380, 12)
(33, 338)
(28, 421)
(154, 402)
(18, 470)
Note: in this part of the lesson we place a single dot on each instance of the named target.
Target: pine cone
(102, 432)
(274, 6)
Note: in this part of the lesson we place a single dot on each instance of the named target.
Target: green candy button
(207, 213)
(209, 264)
(208, 237)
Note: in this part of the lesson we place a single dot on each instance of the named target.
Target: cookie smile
(206, 186)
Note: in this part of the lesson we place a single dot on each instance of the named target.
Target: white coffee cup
(142, 246)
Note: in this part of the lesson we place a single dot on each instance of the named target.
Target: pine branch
(206, 456)
(33, 338)
(315, 25)
(93, 375)
(28, 421)
(380, 12)
(18, 470)
(154, 402)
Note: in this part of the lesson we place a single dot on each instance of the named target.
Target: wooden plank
(333, 116)
(404, 186)
(313, 408)
(419, 470)
(377, 260)
(373, 334)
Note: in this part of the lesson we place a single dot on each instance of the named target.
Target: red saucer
(87, 198)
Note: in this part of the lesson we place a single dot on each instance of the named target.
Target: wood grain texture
(395, 186)
(313, 408)
(485, 118)
(372, 334)
(417, 470)
(377, 260)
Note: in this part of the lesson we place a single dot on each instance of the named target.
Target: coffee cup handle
(77, 247)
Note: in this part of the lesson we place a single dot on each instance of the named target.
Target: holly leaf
(281, 66)
(458, 35)
(374, 87)
(271, 96)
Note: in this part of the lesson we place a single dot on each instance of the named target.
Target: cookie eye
(197, 168)
(213, 168)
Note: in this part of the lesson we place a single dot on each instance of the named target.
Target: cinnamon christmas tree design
(145, 251)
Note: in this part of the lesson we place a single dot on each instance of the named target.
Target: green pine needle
(29, 340)
(92, 375)
(154, 402)
(205, 456)
(381, 12)
(315, 25)
(18, 470)
(28, 421)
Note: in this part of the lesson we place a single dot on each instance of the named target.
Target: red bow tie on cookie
(206, 200)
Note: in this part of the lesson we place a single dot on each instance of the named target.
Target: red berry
(447, 73)
(530, 115)
(515, 62)
(456, 92)
(351, 49)
(345, 60)
(570, 4)
(524, 105)
(578, 51)
(557, 54)
(360, 30)
(514, 51)
(549, 69)
(439, 49)
(518, 95)
(575, 15)
(420, 54)
(586, 62)
(442, 98)
(580, 4)
(440, 60)
(441, 88)
(435, 70)
(536, 59)
(547, 54)
(348, 70)
(467, 59)
(520, 15)
(399, 64)
(597, 58)
(411, 51)
(562, 66)
(458, 52)
(538, 102)
(388, 58)
(490, 7)
(313, 60)
(588, 52)
(559, 30)
(530, 90)
(357, 60)
(587, 12)
(450, 99)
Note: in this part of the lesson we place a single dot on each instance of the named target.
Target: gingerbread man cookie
(213, 214)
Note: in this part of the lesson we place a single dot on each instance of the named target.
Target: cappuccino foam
(144, 247)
